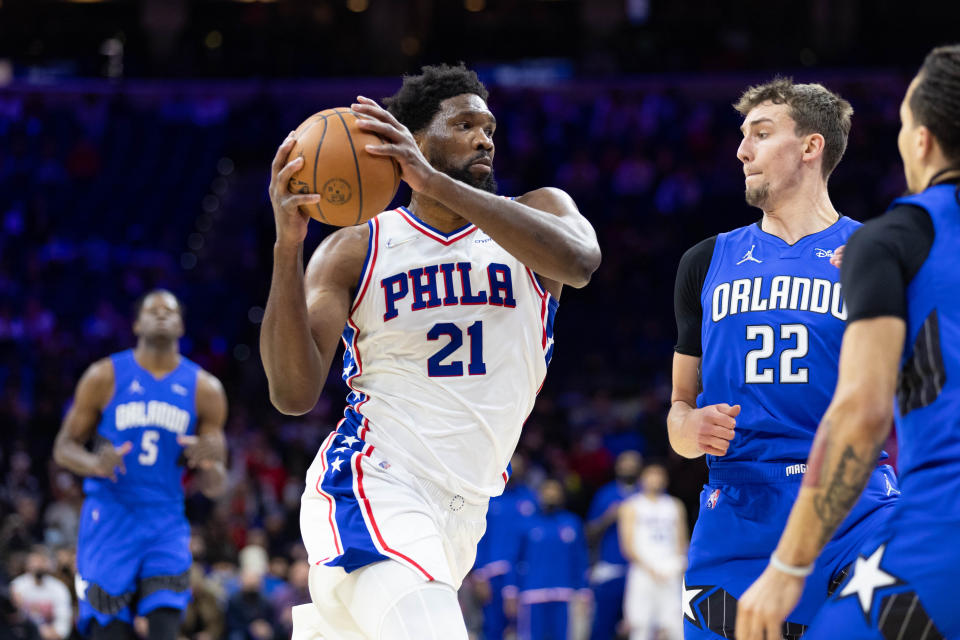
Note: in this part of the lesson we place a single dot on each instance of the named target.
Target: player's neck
(157, 357)
(801, 215)
(436, 215)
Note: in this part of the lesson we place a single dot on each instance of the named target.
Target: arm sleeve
(880, 260)
(691, 274)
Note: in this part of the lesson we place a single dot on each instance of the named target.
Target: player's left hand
(202, 452)
(399, 143)
(766, 604)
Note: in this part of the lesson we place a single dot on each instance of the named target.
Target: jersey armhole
(369, 261)
(715, 259)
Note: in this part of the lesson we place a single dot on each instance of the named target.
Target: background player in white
(397, 495)
(653, 536)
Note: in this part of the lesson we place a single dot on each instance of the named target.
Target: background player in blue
(901, 274)
(498, 548)
(147, 410)
(608, 577)
(551, 570)
(760, 318)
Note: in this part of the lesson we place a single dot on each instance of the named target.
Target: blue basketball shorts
(902, 585)
(130, 560)
(743, 510)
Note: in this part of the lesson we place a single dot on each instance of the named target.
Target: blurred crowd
(109, 190)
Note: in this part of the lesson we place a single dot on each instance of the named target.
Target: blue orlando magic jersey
(149, 413)
(928, 394)
(773, 320)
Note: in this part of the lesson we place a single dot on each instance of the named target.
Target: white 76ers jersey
(447, 345)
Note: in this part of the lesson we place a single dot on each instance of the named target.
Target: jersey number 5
(149, 446)
(765, 334)
(435, 366)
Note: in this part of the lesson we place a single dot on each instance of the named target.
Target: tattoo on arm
(853, 469)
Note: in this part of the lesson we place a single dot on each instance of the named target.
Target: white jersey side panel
(656, 529)
(446, 348)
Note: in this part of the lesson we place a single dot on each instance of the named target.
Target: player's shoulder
(545, 198)
(699, 252)
(341, 255)
(208, 382)
(101, 371)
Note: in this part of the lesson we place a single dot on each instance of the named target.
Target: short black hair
(813, 107)
(419, 97)
(138, 305)
(935, 102)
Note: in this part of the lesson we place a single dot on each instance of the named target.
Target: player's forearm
(213, 481)
(682, 440)
(562, 248)
(843, 456)
(74, 457)
(295, 372)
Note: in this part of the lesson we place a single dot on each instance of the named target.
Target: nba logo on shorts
(712, 500)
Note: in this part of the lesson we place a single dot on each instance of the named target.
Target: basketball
(355, 185)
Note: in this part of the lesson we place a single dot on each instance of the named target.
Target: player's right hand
(291, 222)
(713, 427)
(110, 458)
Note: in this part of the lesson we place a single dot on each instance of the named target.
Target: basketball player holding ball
(446, 310)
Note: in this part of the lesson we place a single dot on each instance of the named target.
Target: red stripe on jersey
(323, 473)
(373, 522)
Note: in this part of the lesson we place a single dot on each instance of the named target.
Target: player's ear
(813, 146)
(923, 143)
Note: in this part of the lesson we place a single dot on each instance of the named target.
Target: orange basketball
(354, 184)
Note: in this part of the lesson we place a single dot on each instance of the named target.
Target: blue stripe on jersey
(773, 319)
(351, 365)
(149, 413)
(358, 547)
(552, 305)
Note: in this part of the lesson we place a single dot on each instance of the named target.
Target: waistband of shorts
(453, 502)
(756, 472)
(761, 472)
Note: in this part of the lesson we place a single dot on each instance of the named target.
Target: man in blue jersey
(608, 576)
(148, 411)
(901, 275)
(760, 318)
(550, 575)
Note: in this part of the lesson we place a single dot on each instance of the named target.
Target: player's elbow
(291, 404)
(863, 410)
(583, 265)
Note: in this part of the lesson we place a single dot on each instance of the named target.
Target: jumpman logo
(748, 256)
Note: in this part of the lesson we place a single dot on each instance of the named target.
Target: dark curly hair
(419, 98)
(813, 107)
(935, 102)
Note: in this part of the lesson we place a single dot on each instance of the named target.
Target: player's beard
(757, 196)
(487, 181)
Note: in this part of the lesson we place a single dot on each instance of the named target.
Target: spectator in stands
(507, 516)
(43, 599)
(609, 574)
(550, 574)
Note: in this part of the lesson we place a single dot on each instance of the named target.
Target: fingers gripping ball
(354, 184)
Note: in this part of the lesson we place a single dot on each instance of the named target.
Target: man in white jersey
(653, 536)
(445, 308)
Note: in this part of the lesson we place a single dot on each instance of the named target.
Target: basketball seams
(316, 161)
(356, 164)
